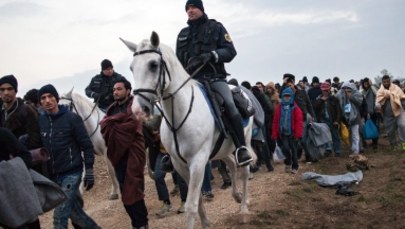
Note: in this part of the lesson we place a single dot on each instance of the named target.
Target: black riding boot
(241, 154)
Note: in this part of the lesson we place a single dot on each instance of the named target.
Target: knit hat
(106, 64)
(10, 79)
(289, 76)
(49, 88)
(233, 82)
(196, 3)
(315, 79)
(325, 86)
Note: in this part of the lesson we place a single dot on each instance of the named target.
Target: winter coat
(296, 122)
(65, 137)
(103, 85)
(22, 119)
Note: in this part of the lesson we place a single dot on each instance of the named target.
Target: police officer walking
(205, 42)
(101, 85)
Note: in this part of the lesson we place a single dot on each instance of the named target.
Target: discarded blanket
(334, 180)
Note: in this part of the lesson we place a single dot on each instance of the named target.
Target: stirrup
(242, 163)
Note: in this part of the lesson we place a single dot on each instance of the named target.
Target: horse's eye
(153, 66)
(130, 68)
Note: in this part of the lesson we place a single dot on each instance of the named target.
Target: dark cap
(10, 79)
(289, 76)
(196, 3)
(49, 88)
(106, 64)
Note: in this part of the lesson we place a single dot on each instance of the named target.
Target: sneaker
(242, 156)
(174, 191)
(163, 210)
(181, 209)
(294, 171)
(287, 168)
(207, 195)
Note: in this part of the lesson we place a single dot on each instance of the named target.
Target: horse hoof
(113, 197)
(244, 218)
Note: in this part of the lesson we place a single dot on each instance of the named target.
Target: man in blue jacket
(64, 135)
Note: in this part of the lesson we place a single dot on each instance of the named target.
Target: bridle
(162, 83)
(72, 107)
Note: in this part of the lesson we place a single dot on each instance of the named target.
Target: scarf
(286, 110)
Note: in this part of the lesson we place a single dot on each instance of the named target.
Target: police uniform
(207, 37)
(101, 88)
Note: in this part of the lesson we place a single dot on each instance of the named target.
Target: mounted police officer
(101, 85)
(205, 42)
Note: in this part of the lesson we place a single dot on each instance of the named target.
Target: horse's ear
(154, 39)
(130, 45)
(69, 94)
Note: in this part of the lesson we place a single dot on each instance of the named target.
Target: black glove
(88, 179)
(206, 57)
(195, 62)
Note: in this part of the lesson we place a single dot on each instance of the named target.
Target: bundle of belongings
(342, 182)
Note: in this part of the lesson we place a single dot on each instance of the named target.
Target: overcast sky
(63, 42)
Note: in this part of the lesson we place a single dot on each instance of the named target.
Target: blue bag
(370, 130)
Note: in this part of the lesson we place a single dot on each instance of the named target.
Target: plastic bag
(278, 154)
(370, 130)
(344, 133)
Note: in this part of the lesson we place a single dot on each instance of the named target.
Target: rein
(72, 107)
(162, 83)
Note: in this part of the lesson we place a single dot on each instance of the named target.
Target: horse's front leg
(114, 182)
(194, 180)
(203, 216)
(244, 171)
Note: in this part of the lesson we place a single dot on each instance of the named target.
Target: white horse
(92, 116)
(189, 132)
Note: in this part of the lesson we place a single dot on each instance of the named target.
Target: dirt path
(277, 199)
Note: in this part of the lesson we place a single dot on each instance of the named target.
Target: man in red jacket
(287, 129)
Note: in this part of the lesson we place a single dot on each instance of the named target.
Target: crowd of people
(290, 108)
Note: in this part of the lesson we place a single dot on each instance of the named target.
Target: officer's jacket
(103, 85)
(202, 36)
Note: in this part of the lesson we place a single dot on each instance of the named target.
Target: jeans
(73, 207)
(335, 140)
(160, 182)
(206, 185)
(355, 136)
(182, 186)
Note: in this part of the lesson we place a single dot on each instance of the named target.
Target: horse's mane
(83, 102)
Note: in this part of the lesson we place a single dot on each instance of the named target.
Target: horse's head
(150, 67)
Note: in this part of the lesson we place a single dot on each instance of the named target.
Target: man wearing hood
(350, 100)
(287, 128)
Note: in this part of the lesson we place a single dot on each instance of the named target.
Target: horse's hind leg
(111, 173)
(203, 216)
